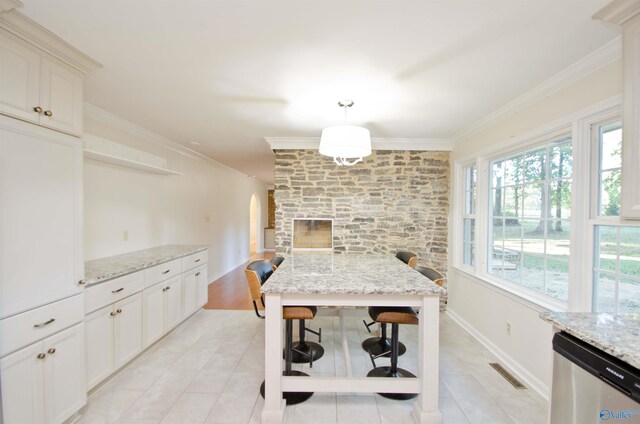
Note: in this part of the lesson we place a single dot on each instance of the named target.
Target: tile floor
(209, 370)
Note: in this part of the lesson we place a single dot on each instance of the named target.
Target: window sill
(529, 298)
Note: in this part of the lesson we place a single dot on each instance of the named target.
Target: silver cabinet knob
(41, 355)
(37, 109)
(51, 351)
(48, 113)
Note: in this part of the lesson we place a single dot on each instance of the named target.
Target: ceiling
(226, 74)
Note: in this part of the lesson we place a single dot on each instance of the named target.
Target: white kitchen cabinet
(113, 338)
(127, 330)
(40, 247)
(202, 284)
(173, 303)
(45, 382)
(22, 375)
(99, 345)
(189, 293)
(153, 313)
(162, 309)
(19, 79)
(61, 98)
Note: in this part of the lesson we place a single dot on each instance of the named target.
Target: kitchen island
(342, 280)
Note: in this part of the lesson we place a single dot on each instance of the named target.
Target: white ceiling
(226, 74)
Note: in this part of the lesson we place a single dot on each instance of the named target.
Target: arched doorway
(254, 225)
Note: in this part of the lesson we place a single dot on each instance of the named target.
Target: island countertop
(617, 335)
(103, 269)
(311, 273)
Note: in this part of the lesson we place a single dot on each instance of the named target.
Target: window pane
(534, 165)
(533, 271)
(513, 171)
(604, 293)
(532, 200)
(611, 146)
(512, 201)
(556, 279)
(559, 199)
(497, 174)
(606, 248)
(511, 265)
(558, 239)
(470, 189)
(560, 161)
(628, 296)
(630, 251)
(610, 192)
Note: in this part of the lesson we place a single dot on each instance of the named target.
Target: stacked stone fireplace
(394, 200)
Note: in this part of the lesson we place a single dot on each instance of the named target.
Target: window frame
(466, 215)
(580, 287)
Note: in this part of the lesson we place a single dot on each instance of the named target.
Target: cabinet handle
(113, 313)
(51, 351)
(82, 282)
(41, 355)
(37, 109)
(167, 271)
(197, 260)
(168, 288)
(119, 311)
(197, 274)
(44, 324)
(48, 113)
(117, 291)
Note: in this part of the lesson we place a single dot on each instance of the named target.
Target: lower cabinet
(45, 382)
(194, 290)
(162, 309)
(114, 337)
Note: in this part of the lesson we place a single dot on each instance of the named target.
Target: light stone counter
(309, 273)
(99, 270)
(617, 335)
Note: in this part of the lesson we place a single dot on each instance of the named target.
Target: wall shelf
(115, 160)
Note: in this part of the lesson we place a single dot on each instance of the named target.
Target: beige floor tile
(191, 408)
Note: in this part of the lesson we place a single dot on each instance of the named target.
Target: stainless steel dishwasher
(591, 386)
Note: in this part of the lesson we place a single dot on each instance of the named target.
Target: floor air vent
(507, 375)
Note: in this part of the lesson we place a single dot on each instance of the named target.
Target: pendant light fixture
(345, 142)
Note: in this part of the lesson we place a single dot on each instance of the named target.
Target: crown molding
(33, 33)
(7, 5)
(604, 55)
(118, 122)
(618, 11)
(312, 143)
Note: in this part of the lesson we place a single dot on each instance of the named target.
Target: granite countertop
(103, 269)
(307, 273)
(617, 335)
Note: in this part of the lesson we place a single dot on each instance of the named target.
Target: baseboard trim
(513, 365)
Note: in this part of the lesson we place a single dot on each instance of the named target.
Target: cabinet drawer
(20, 330)
(113, 290)
(197, 259)
(162, 272)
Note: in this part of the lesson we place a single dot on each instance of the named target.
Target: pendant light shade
(344, 142)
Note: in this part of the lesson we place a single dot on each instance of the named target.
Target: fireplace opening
(312, 234)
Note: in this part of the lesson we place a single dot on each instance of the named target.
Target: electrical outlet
(507, 328)
(125, 235)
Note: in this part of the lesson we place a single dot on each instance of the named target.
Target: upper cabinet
(40, 75)
(627, 14)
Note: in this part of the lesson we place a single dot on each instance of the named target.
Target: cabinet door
(22, 376)
(173, 303)
(41, 180)
(61, 98)
(153, 313)
(189, 292)
(19, 80)
(202, 283)
(64, 374)
(127, 329)
(99, 345)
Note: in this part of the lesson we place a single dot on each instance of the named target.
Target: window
(616, 262)
(529, 218)
(469, 217)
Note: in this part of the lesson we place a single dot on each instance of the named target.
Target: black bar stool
(276, 261)
(258, 272)
(394, 315)
(378, 345)
(289, 313)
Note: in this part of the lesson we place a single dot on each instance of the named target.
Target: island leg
(273, 410)
(426, 407)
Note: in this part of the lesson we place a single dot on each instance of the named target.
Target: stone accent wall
(394, 200)
(271, 210)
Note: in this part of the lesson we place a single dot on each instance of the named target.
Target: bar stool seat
(394, 315)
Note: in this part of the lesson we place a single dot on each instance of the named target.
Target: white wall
(484, 309)
(208, 204)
